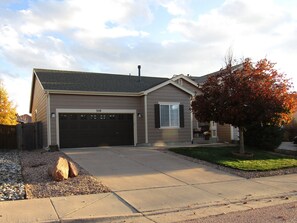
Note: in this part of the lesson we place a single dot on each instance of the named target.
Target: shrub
(266, 137)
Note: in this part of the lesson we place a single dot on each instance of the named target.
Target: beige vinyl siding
(191, 87)
(39, 104)
(169, 93)
(224, 133)
(97, 102)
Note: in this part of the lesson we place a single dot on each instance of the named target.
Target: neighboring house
(83, 109)
(24, 118)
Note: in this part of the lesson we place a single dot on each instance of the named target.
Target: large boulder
(60, 170)
(73, 170)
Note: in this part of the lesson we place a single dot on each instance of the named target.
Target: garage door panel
(88, 130)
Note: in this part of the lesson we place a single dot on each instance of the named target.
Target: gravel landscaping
(25, 175)
(11, 181)
(39, 184)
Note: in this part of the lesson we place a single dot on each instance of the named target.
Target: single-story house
(85, 109)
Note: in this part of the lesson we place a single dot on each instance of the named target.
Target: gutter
(121, 94)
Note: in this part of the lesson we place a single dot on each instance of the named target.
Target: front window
(169, 115)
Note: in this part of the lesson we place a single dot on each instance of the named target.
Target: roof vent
(139, 73)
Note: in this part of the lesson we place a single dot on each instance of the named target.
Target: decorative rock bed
(11, 181)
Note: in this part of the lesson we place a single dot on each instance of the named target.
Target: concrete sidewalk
(287, 148)
(156, 205)
(105, 206)
(151, 186)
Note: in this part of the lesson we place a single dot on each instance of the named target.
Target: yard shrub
(266, 137)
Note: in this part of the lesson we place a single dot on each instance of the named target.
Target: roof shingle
(99, 82)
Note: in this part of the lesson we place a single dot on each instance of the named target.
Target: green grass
(262, 160)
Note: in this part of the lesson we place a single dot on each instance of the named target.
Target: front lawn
(262, 160)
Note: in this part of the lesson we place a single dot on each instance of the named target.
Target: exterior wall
(97, 102)
(224, 133)
(168, 93)
(39, 104)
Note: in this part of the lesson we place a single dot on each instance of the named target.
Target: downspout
(49, 135)
(145, 119)
(192, 135)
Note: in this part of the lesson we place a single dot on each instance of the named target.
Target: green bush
(266, 137)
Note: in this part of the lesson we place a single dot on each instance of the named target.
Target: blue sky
(166, 37)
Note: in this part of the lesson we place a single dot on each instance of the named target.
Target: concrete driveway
(134, 168)
(150, 181)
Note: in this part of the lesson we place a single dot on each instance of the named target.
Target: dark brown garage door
(89, 130)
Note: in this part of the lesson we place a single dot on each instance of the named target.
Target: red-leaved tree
(251, 94)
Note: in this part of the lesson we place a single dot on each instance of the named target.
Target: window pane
(174, 115)
(164, 115)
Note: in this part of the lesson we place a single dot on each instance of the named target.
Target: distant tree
(246, 94)
(7, 109)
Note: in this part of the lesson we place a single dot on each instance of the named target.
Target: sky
(167, 37)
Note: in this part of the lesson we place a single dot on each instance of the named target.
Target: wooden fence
(23, 136)
(8, 137)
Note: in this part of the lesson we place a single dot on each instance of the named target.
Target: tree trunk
(241, 141)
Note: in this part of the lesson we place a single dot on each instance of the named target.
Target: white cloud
(253, 28)
(9, 38)
(87, 21)
(175, 7)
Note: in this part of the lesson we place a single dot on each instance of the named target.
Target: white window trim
(169, 127)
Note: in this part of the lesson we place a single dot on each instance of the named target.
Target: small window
(72, 116)
(169, 115)
(111, 117)
(83, 117)
(63, 117)
(180, 82)
(93, 117)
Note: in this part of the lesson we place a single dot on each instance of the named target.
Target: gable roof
(203, 79)
(186, 78)
(94, 82)
(88, 83)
